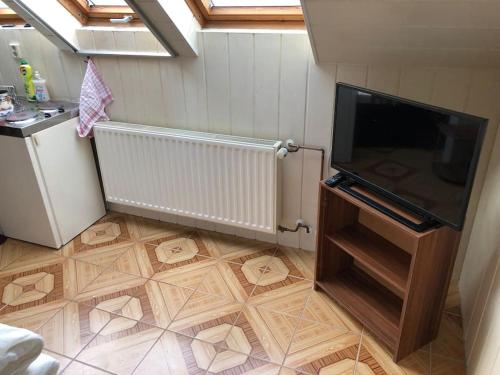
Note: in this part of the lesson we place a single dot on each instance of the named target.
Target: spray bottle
(27, 73)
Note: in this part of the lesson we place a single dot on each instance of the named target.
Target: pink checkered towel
(94, 97)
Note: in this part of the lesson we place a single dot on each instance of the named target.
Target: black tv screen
(420, 156)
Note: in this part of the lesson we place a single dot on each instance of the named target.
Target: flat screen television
(422, 157)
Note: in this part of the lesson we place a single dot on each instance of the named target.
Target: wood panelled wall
(257, 84)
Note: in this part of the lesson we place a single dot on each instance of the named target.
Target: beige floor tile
(176, 251)
(107, 282)
(78, 368)
(449, 342)
(35, 287)
(63, 361)
(289, 371)
(205, 311)
(188, 276)
(104, 256)
(231, 279)
(134, 261)
(289, 303)
(237, 305)
(296, 261)
(454, 310)
(279, 277)
(273, 285)
(417, 363)
(165, 301)
(70, 329)
(262, 334)
(150, 302)
(229, 362)
(144, 230)
(18, 256)
(32, 318)
(255, 259)
(120, 345)
(110, 230)
(176, 354)
(230, 247)
(375, 355)
(325, 356)
(78, 275)
(315, 347)
(323, 309)
(445, 366)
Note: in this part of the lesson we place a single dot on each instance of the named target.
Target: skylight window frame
(7, 15)
(99, 15)
(246, 16)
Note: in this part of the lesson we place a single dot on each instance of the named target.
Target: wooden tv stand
(392, 279)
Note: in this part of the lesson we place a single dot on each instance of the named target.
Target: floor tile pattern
(31, 288)
(110, 230)
(176, 251)
(131, 295)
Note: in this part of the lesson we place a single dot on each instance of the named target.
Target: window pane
(110, 2)
(257, 3)
(2, 5)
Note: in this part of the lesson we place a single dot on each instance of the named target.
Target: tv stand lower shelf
(393, 279)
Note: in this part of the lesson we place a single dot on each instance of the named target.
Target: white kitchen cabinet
(49, 189)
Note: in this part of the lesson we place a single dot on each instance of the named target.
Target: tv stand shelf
(390, 277)
(385, 260)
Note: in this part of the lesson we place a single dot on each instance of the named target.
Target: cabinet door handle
(35, 140)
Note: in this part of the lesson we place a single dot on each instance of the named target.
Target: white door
(68, 168)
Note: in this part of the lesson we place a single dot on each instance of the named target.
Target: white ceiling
(431, 32)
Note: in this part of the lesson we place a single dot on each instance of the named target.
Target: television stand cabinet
(393, 279)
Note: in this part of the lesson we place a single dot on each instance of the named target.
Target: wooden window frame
(246, 16)
(99, 15)
(7, 16)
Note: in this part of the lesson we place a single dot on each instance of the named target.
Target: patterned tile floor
(130, 295)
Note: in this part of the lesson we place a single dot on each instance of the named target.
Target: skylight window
(255, 3)
(248, 13)
(8, 16)
(108, 2)
(99, 12)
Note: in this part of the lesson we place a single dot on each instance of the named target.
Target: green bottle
(27, 73)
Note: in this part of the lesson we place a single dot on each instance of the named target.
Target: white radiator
(219, 178)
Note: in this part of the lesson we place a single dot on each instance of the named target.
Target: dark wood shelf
(392, 279)
(386, 261)
(358, 293)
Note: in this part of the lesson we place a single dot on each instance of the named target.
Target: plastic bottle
(41, 92)
(27, 73)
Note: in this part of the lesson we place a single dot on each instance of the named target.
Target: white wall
(262, 85)
(480, 279)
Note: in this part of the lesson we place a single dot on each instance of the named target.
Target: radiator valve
(282, 153)
(298, 224)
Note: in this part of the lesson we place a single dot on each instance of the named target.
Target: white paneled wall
(256, 84)
(63, 70)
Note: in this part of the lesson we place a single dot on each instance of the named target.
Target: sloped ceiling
(430, 32)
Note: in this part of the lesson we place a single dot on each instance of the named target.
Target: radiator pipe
(299, 224)
(291, 146)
